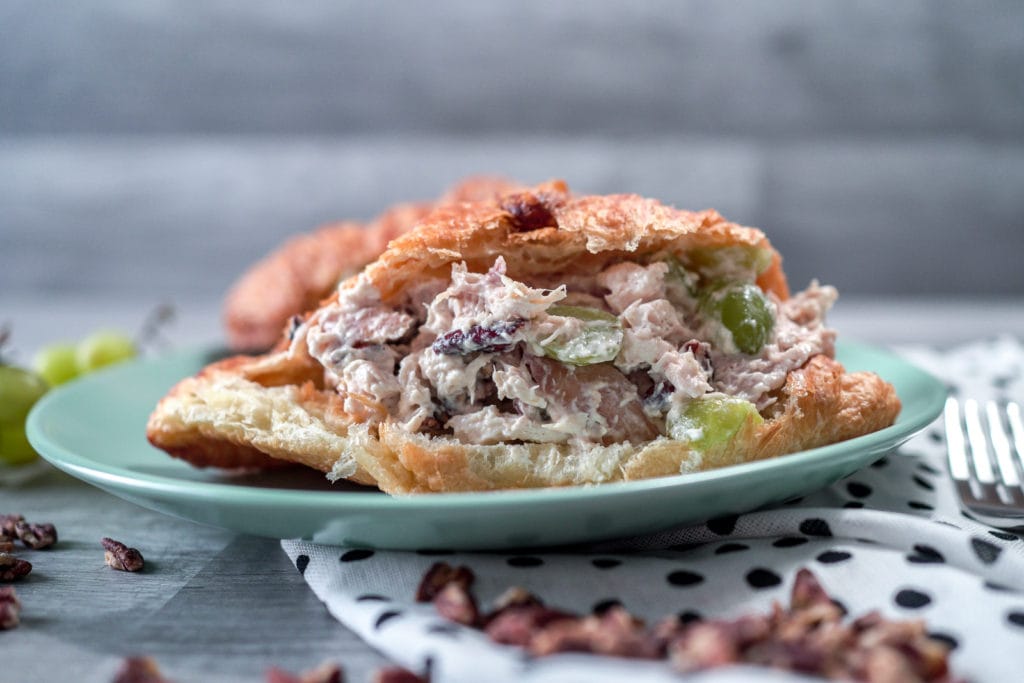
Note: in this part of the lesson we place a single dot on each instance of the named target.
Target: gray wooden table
(216, 606)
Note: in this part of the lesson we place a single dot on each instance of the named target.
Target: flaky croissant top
(538, 339)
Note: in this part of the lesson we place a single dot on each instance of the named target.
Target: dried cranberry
(493, 338)
(528, 212)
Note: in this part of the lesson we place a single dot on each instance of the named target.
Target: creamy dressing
(475, 356)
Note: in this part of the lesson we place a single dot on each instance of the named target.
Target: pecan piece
(7, 523)
(704, 645)
(328, 672)
(396, 674)
(121, 557)
(516, 625)
(615, 632)
(139, 670)
(13, 568)
(35, 536)
(515, 596)
(807, 591)
(455, 603)
(440, 575)
(10, 608)
(6, 546)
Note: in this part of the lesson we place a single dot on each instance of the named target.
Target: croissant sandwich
(539, 339)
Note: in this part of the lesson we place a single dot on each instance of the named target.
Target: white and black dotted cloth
(890, 537)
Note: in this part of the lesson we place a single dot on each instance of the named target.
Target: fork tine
(1001, 446)
(979, 444)
(1013, 417)
(956, 451)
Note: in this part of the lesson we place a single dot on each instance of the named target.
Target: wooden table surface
(217, 606)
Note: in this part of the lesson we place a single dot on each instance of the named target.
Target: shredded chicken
(799, 333)
(481, 299)
(485, 358)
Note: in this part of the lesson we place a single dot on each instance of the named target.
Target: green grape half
(711, 421)
(103, 348)
(598, 342)
(743, 310)
(56, 363)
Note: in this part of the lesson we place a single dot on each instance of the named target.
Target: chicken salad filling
(640, 350)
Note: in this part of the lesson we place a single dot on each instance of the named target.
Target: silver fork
(986, 458)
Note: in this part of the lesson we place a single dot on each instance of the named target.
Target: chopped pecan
(440, 575)
(10, 608)
(328, 672)
(7, 524)
(139, 670)
(13, 568)
(809, 637)
(119, 556)
(515, 596)
(704, 645)
(396, 674)
(528, 211)
(455, 603)
(615, 632)
(888, 665)
(35, 536)
(516, 625)
(807, 591)
(789, 656)
(6, 546)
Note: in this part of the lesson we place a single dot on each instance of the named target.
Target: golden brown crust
(587, 233)
(253, 412)
(539, 232)
(306, 268)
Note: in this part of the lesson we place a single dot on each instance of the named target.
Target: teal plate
(94, 429)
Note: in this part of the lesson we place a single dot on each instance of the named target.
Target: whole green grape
(103, 348)
(14, 446)
(743, 310)
(711, 421)
(56, 363)
(19, 391)
(598, 342)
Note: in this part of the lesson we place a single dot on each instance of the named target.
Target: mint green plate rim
(921, 394)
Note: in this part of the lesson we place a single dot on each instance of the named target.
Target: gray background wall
(158, 148)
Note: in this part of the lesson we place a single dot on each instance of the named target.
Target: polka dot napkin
(891, 537)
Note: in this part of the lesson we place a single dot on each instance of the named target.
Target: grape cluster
(52, 365)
